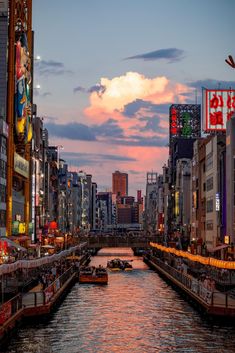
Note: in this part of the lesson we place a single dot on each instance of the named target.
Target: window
(2, 193)
(209, 205)
(209, 183)
(209, 161)
(3, 169)
(3, 145)
(209, 225)
(2, 218)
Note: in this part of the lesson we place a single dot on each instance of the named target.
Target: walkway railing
(209, 297)
(34, 299)
(10, 308)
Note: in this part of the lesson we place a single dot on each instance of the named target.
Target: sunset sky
(110, 69)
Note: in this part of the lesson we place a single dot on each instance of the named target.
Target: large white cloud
(122, 90)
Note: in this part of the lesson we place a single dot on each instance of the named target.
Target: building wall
(3, 125)
(213, 193)
(120, 183)
(230, 179)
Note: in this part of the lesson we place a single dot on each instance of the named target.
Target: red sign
(219, 107)
(173, 126)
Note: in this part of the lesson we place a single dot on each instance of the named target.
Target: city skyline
(107, 81)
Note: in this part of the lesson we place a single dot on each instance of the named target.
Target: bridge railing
(119, 240)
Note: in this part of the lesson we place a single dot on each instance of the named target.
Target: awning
(12, 244)
(218, 248)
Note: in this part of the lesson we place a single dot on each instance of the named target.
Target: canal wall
(210, 302)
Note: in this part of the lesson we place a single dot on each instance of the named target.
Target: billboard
(218, 108)
(185, 121)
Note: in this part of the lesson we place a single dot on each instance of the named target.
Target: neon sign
(185, 120)
(219, 107)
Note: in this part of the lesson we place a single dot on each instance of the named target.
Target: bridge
(134, 241)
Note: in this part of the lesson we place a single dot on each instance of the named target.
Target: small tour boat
(119, 265)
(92, 274)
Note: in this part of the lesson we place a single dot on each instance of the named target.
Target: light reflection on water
(137, 312)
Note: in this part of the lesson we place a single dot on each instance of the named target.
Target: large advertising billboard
(185, 121)
(218, 108)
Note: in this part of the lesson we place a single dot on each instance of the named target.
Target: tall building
(3, 124)
(19, 116)
(230, 180)
(150, 202)
(120, 183)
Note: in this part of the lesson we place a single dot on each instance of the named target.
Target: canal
(137, 312)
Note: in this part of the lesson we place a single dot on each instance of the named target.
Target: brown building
(120, 183)
(124, 214)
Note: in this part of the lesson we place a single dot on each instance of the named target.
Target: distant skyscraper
(120, 183)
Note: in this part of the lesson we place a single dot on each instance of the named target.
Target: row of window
(209, 161)
(2, 193)
(2, 218)
(209, 225)
(209, 205)
(3, 169)
(3, 145)
(209, 183)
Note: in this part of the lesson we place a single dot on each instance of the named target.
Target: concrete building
(94, 221)
(183, 199)
(214, 175)
(3, 109)
(120, 183)
(230, 181)
(150, 221)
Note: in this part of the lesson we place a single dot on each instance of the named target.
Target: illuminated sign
(217, 202)
(177, 198)
(21, 166)
(226, 239)
(218, 108)
(21, 228)
(185, 120)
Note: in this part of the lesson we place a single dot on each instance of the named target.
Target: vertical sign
(218, 107)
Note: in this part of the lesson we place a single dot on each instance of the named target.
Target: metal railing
(10, 308)
(209, 297)
(35, 299)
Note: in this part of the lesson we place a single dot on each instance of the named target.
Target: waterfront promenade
(52, 278)
(203, 292)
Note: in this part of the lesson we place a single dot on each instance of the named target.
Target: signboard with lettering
(21, 166)
(217, 202)
(218, 107)
(185, 120)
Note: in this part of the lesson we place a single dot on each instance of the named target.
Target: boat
(92, 274)
(119, 265)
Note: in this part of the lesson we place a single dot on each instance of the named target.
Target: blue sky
(110, 69)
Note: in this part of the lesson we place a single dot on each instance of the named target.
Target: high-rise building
(3, 124)
(120, 183)
(229, 206)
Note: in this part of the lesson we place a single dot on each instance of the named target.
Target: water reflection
(137, 312)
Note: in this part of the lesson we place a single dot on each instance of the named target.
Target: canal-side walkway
(212, 302)
(38, 301)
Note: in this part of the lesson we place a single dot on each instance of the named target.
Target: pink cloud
(125, 89)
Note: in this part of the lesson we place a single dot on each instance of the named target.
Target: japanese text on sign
(220, 107)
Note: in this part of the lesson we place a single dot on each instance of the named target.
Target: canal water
(137, 312)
